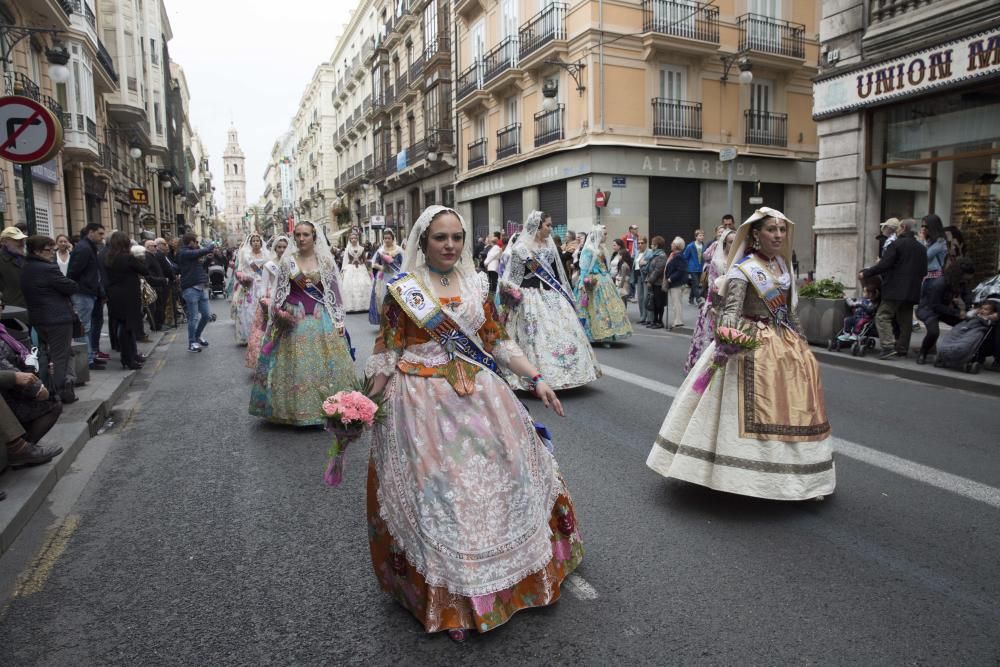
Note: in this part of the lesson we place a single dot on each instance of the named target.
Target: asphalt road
(201, 536)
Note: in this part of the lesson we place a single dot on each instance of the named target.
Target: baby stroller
(861, 340)
(216, 281)
(964, 347)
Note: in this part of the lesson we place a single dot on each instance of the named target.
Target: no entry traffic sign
(29, 132)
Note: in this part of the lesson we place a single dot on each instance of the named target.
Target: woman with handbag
(125, 302)
(47, 295)
(656, 298)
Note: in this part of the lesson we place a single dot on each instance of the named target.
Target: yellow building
(556, 101)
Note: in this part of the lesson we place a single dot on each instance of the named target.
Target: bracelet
(533, 383)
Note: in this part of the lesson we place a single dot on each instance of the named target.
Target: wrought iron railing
(764, 128)
(545, 26)
(673, 118)
(16, 83)
(402, 82)
(416, 153)
(549, 126)
(53, 105)
(417, 69)
(441, 139)
(107, 63)
(770, 35)
(477, 153)
(468, 81)
(509, 141)
(500, 59)
(440, 45)
(681, 18)
(91, 128)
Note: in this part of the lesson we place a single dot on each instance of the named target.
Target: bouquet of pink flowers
(510, 296)
(283, 321)
(245, 279)
(589, 283)
(729, 341)
(348, 414)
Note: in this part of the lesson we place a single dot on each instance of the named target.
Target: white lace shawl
(329, 276)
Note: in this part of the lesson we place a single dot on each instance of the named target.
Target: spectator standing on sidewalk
(158, 281)
(694, 256)
(656, 300)
(631, 241)
(194, 280)
(63, 250)
(887, 234)
(50, 308)
(125, 296)
(11, 261)
(902, 268)
(641, 260)
(674, 280)
(85, 271)
(729, 222)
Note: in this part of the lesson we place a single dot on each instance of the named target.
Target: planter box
(821, 319)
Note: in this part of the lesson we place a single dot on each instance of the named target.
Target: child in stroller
(972, 340)
(859, 326)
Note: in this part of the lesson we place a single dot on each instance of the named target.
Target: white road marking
(940, 479)
(581, 588)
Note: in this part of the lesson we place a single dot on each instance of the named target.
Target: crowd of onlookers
(54, 292)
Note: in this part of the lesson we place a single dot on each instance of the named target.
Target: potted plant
(821, 310)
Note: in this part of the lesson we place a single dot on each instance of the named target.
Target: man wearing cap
(84, 269)
(887, 234)
(11, 261)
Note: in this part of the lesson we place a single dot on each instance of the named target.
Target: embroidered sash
(419, 304)
(541, 271)
(767, 289)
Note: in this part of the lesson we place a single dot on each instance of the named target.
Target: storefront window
(942, 155)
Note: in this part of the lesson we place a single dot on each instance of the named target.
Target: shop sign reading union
(961, 61)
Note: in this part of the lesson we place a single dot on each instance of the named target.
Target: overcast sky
(247, 62)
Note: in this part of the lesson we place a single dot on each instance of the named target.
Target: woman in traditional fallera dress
(544, 324)
(469, 518)
(250, 281)
(717, 264)
(302, 364)
(357, 278)
(387, 261)
(760, 427)
(600, 308)
(278, 246)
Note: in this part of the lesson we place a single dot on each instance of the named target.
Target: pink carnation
(350, 407)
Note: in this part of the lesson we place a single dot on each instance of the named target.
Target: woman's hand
(549, 398)
(22, 379)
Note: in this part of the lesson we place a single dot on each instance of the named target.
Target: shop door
(513, 214)
(552, 200)
(480, 217)
(674, 208)
(773, 194)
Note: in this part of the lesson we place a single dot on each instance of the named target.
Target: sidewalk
(27, 488)
(985, 382)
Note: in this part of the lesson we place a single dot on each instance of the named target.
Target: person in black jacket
(675, 278)
(656, 301)
(84, 269)
(47, 294)
(125, 296)
(902, 267)
(159, 282)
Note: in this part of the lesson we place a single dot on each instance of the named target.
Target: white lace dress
(356, 280)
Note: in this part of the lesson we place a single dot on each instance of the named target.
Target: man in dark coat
(84, 268)
(158, 281)
(902, 267)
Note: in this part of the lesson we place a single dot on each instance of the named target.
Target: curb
(28, 488)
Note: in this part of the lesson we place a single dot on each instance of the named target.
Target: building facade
(115, 166)
(235, 182)
(908, 109)
(635, 99)
(279, 187)
(312, 131)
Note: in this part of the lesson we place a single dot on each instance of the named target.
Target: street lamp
(58, 56)
(741, 61)
(134, 151)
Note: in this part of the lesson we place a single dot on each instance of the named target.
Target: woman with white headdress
(704, 329)
(469, 518)
(600, 308)
(277, 246)
(758, 427)
(306, 353)
(250, 280)
(544, 324)
(387, 260)
(356, 276)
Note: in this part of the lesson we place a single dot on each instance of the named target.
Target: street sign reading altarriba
(959, 62)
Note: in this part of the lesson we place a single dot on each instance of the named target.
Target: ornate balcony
(437, 52)
(500, 61)
(477, 153)
(764, 128)
(509, 141)
(677, 18)
(673, 118)
(549, 126)
(107, 63)
(766, 35)
(542, 34)
(469, 94)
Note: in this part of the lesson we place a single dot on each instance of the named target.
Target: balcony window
(681, 18)
(765, 128)
(770, 35)
(509, 141)
(549, 126)
(675, 118)
(500, 59)
(477, 153)
(542, 28)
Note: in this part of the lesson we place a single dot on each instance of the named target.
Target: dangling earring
(756, 243)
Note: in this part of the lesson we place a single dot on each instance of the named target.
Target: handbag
(148, 293)
(77, 327)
